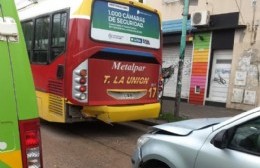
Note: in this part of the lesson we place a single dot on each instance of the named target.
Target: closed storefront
(171, 59)
(225, 69)
(220, 75)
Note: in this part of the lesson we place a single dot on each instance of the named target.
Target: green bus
(20, 142)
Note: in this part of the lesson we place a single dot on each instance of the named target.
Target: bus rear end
(20, 143)
(121, 90)
(118, 77)
(94, 59)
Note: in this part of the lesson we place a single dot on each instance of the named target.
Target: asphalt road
(89, 145)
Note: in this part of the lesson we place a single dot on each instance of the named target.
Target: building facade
(222, 57)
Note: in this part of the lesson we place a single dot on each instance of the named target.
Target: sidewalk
(197, 111)
(190, 111)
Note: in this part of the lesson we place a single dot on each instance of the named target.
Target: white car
(202, 143)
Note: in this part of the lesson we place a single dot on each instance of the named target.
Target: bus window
(41, 43)
(59, 26)
(28, 35)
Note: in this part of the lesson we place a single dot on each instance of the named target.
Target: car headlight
(142, 140)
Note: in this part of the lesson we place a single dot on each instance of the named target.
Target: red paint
(115, 75)
(196, 98)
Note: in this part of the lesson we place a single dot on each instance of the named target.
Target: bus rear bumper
(110, 114)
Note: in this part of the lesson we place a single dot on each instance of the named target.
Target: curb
(151, 122)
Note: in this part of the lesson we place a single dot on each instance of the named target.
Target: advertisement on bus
(124, 24)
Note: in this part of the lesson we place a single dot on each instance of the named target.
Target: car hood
(187, 126)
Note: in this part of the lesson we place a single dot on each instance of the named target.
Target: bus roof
(78, 8)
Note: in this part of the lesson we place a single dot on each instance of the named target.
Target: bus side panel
(10, 152)
(45, 76)
(10, 155)
(50, 90)
(22, 74)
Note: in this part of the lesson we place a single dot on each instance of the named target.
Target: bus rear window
(124, 24)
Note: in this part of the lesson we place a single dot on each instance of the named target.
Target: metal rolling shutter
(220, 75)
(171, 57)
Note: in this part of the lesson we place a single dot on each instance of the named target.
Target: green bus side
(17, 95)
(21, 69)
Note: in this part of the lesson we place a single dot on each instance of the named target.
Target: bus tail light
(83, 72)
(81, 88)
(31, 143)
(81, 96)
(80, 82)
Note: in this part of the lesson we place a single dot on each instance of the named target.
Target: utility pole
(181, 58)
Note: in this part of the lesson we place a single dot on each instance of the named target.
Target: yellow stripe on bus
(84, 9)
(110, 114)
(49, 111)
(11, 159)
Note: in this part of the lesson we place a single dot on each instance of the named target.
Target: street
(89, 145)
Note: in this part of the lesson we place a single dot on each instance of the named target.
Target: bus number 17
(152, 92)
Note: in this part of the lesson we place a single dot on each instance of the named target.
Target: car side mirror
(220, 140)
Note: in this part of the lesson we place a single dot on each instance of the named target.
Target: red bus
(94, 58)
